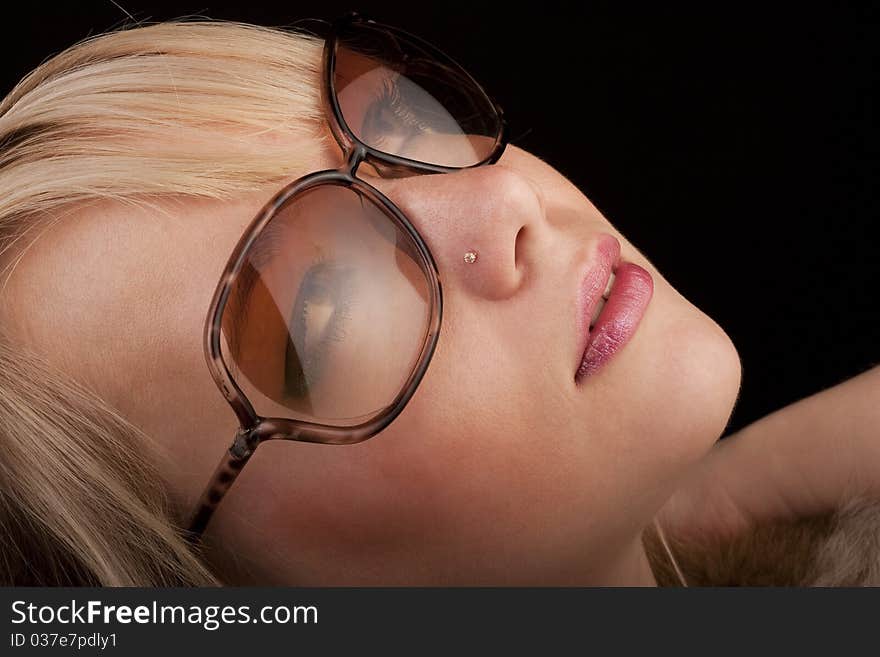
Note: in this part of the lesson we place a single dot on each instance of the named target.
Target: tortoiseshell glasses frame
(253, 428)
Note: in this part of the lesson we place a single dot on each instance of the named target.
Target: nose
(494, 211)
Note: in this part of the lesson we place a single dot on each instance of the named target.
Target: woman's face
(502, 468)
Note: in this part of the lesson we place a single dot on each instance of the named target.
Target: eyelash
(317, 271)
(266, 246)
(389, 98)
(315, 276)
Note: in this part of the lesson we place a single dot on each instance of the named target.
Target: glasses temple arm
(224, 476)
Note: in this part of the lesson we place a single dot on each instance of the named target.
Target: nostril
(517, 247)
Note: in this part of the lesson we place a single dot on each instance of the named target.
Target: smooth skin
(500, 470)
(805, 459)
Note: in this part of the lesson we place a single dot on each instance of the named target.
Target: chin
(683, 376)
(707, 385)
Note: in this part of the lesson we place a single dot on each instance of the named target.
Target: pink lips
(619, 319)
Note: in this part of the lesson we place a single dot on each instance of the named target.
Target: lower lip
(619, 319)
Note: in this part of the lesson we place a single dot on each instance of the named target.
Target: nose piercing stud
(470, 257)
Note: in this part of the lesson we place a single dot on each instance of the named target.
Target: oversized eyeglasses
(329, 309)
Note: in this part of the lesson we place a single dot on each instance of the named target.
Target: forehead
(109, 287)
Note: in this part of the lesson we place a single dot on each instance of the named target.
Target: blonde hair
(838, 547)
(188, 108)
(178, 109)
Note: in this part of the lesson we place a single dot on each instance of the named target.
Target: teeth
(601, 304)
(608, 287)
(596, 311)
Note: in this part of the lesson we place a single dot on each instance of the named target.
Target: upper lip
(592, 280)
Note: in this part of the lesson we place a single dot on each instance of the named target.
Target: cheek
(477, 463)
(467, 440)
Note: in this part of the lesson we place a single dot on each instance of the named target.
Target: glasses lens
(400, 99)
(329, 317)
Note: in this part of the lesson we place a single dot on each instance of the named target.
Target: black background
(736, 147)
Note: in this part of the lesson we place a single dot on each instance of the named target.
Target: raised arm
(789, 479)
